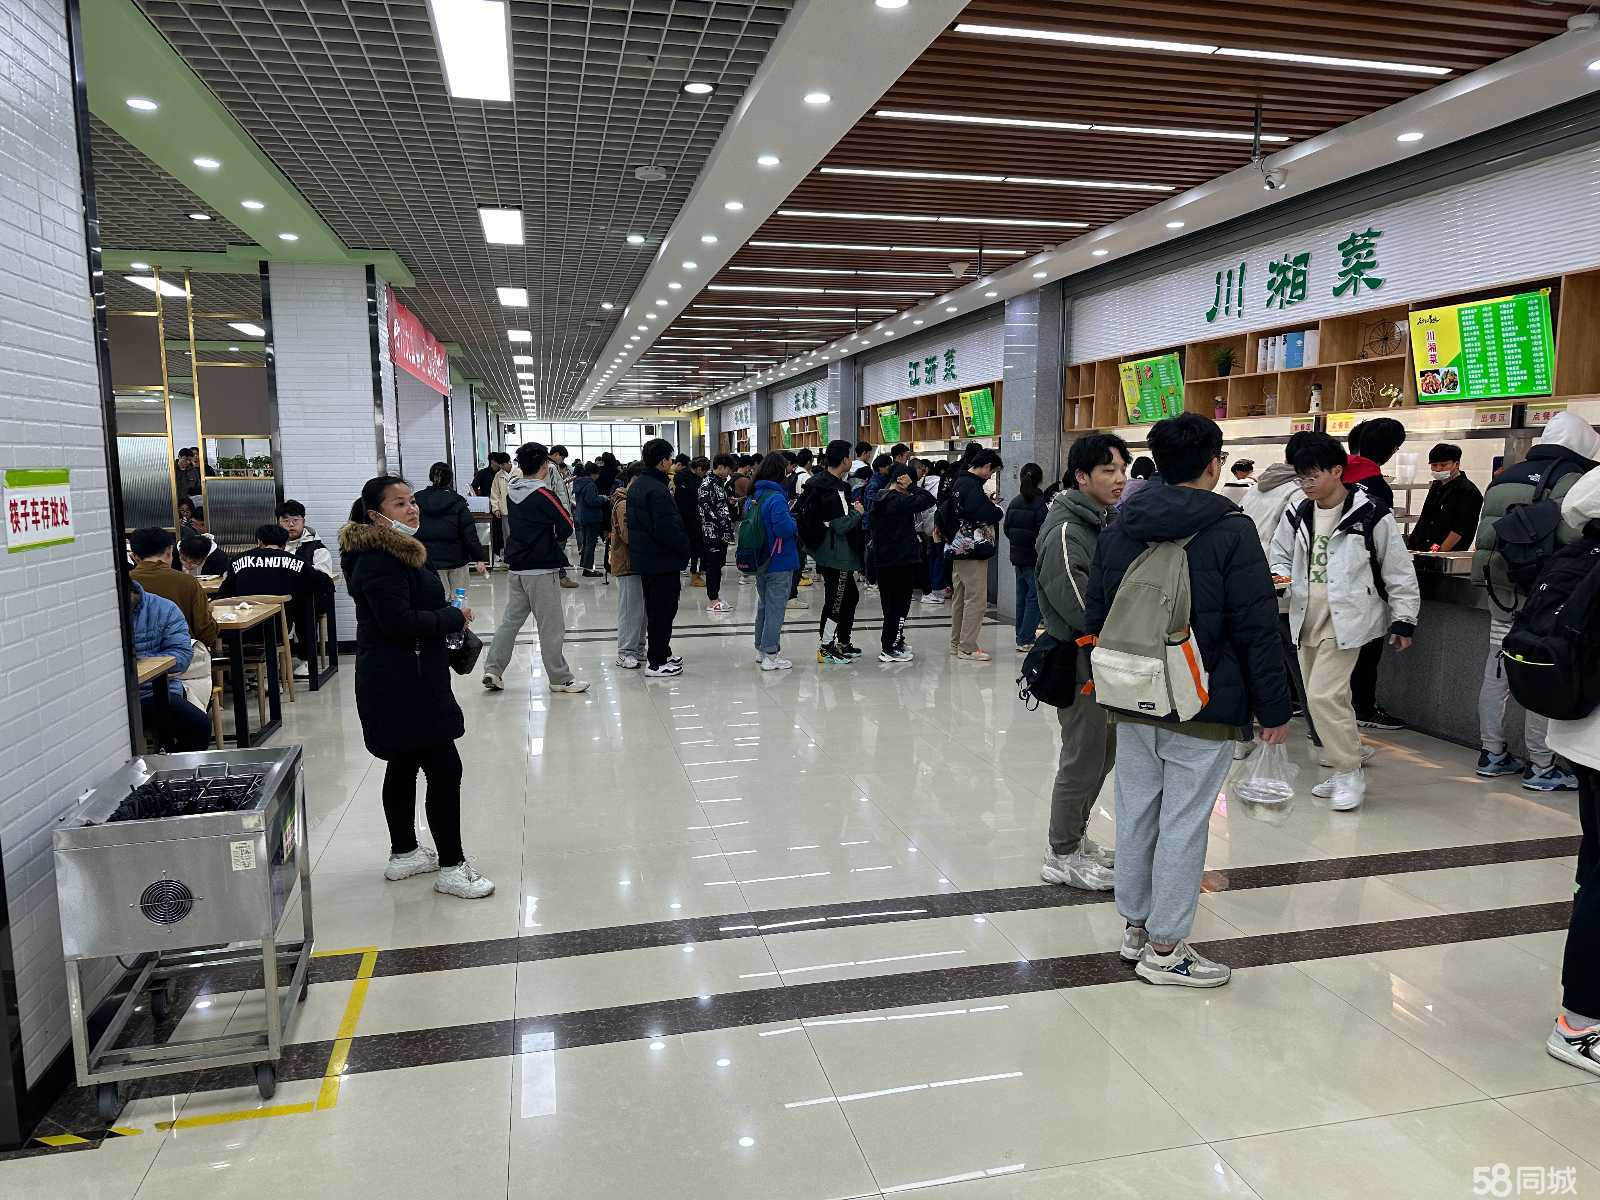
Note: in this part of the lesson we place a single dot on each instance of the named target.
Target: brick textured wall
(63, 713)
(461, 436)
(395, 463)
(324, 371)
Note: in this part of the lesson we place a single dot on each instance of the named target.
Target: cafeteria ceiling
(345, 104)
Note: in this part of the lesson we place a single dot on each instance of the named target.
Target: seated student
(1335, 606)
(270, 570)
(201, 555)
(303, 540)
(152, 555)
(159, 629)
(1450, 513)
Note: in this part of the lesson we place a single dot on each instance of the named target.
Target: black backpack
(1370, 516)
(809, 520)
(1551, 654)
(1050, 673)
(1525, 536)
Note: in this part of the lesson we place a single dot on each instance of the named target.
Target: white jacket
(1359, 613)
(1579, 741)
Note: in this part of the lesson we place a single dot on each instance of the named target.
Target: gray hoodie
(1066, 544)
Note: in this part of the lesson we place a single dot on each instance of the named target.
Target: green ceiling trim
(246, 260)
(126, 56)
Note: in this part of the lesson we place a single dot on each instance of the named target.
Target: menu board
(1499, 347)
(1152, 388)
(889, 422)
(786, 434)
(822, 429)
(977, 412)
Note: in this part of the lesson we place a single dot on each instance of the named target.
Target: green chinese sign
(932, 369)
(889, 422)
(1152, 388)
(977, 412)
(809, 399)
(1289, 277)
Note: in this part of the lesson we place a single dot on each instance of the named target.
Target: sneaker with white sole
(895, 656)
(492, 681)
(1580, 1047)
(798, 602)
(418, 862)
(575, 686)
(719, 606)
(302, 669)
(1549, 779)
(675, 659)
(664, 671)
(1349, 790)
(464, 881)
(1367, 752)
(831, 655)
(978, 655)
(933, 599)
(628, 662)
(1077, 871)
(773, 663)
(1183, 967)
(1492, 766)
(1134, 939)
(1094, 851)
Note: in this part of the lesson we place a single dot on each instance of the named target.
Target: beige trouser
(453, 578)
(969, 584)
(1327, 673)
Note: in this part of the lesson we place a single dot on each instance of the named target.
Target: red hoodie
(1360, 467)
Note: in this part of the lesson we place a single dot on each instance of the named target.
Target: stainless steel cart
(187, 893)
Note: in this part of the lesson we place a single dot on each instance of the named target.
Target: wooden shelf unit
(928, 419)
(1350, 348)
(733, 441)
(803, 431)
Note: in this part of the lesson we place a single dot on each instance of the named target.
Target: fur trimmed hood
(355, 538)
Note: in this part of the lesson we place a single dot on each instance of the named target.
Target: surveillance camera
(1273, 181)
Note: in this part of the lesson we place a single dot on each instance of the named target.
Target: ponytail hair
(372, 494)
(440, 475)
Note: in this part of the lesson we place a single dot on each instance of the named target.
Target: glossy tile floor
(782, 935)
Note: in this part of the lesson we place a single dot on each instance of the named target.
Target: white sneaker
(1095, 852)
(1349, 790)
(1243, 750)
(577, 686)
(302, 669)
(675, 659)
(491, 680)
(464, 881)
(1580, 1047)
(931, 599)
(627, 662)
(1184, 967)
(1078, 871)
(403, 866)
(798, 602)
(773, 663)
(895, 656)
(664, 670)
(1367, 751)
(1134, 939)
(719, 606)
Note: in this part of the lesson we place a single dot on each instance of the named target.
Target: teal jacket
(842, 548)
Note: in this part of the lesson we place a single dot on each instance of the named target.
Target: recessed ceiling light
(951, 308)
(990, 295)
(252, 205)
(141, 104)
(767, 160)
(817, 98)
(607, 305)
(709, 239)
(1411, 135)
(1174, 224)
(519, 335)
(150, 284)
(635, 239)
(1594, 66)
(733, 205)
(139, 266)
(207, 164)
(233, 349)
(1223, 135)
(918, 321)
(634, 338)
(513, 297)
(651, 316)
(199, 216)
(1040, 274)
(926, 218)
(1100, 253)
(288, 237)
(691, 266)
(661, 303)
(248, 328)
(475, 45)
(697, 87)
(522, 359)
(501, 226)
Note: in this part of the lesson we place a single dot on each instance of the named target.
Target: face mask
(403, 530)
(1442, 476)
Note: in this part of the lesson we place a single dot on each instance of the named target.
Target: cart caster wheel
(107, 1102)
(266, 1080)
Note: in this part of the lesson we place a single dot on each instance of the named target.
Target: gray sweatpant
(1493, 696)
(1167, 783)
(1088, 752)
(630, 617)
(539, 595)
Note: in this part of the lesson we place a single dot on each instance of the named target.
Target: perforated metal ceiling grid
(142, 207)
(348, 98)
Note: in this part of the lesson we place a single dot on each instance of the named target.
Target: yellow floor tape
(328, 1097)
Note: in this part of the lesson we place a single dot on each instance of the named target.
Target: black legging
(894, 590)
(1580, 971)
(712, 560)
(838, 605)
(1364, 678)
(442, 765)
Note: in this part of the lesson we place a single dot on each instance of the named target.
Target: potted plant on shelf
(1224, 359)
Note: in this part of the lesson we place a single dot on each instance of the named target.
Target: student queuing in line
(1169, 771)
(1097, 470)
(780, 560)
(897, 552)
(1140, 476)
(1243, 481)
(447, 529)
(1024, 516)
(839, 555)
(560, 482)
(659, 547)
(937, 575)
(1567, 449)
(968, 523)
(717, 530)
(1342, 596)
(686, 495)
(630, 594)
(590, 514)
(539, 526)
(1372, 444)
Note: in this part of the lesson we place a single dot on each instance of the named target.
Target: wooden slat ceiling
(971, 74)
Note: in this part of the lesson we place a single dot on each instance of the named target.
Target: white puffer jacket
(1579, 741)
(1359, 612)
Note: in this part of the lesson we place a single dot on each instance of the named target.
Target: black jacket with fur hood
(403, 691)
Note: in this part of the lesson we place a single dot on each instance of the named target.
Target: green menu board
(889, 422)
(822, 429)
(977, 412)
(786, 434)
(1152, 388)
(1493, 348)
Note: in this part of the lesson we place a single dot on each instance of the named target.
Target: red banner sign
(414, 349)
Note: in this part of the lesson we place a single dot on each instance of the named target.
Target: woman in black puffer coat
(409, 716)
(447, 529)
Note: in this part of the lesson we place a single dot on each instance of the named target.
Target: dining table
(236, 617)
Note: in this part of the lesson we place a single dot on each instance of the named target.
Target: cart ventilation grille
(166, 901)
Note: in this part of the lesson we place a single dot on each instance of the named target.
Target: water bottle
(459, 600)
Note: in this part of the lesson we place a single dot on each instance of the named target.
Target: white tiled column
(63, 705)
(462, 454)
(1030, 411)
(322, 345)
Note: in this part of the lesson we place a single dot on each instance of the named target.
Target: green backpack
(1145, 662)
(752, 549)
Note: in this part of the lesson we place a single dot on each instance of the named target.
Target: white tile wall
(422, 427)
(324, 372)
(461, 452)
(980, 352)
(63, 712)
(391, 416)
